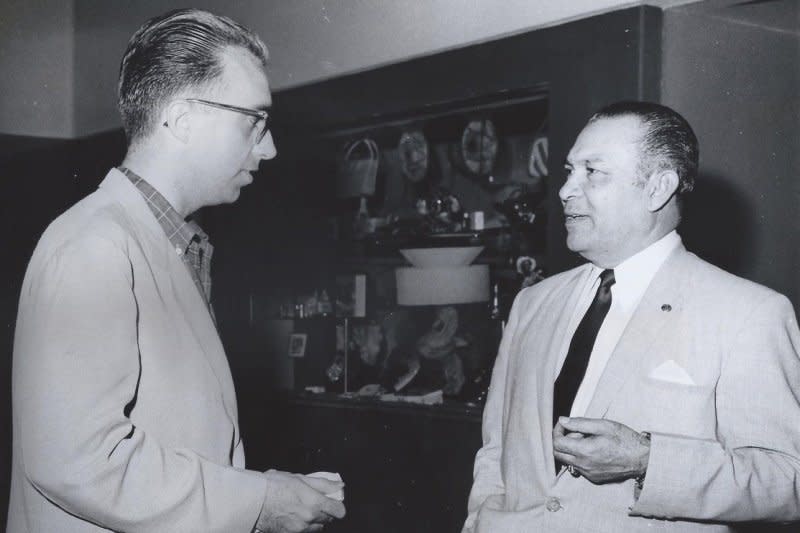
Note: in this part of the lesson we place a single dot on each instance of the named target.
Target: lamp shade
(442, 276)
(442, 285)
(442, 256)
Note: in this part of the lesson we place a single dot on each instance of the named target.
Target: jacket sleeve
(751, 471)
(487, 476)
(76, 376)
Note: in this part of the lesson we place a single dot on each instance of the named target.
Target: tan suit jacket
(725, 432)
(124, 412)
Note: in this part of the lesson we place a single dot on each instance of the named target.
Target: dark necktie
(580, 348)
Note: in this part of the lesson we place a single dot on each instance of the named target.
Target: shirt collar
(181, 233)
(633, 275)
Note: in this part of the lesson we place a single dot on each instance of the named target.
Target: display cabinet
(405, 468)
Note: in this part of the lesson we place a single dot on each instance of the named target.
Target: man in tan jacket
(124, 412)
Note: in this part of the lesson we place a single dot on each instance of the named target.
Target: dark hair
(668, 141)
(170, 53)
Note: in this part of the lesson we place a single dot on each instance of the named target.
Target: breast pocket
(673, 408)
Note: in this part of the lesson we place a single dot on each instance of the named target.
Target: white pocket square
(671, 372)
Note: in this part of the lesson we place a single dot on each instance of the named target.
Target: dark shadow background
(718, 223)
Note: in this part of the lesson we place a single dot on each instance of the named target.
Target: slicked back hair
(170, 54)
(668, 142)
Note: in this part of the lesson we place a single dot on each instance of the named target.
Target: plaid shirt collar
(190, 242)
(179, 232)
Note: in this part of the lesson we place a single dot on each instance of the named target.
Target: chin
(233, 196)
(578, 245)
(228, 197)
(573, 241)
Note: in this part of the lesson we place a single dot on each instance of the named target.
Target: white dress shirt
(632, 277)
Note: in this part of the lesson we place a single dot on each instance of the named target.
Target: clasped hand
(295, 503)
(601, 450)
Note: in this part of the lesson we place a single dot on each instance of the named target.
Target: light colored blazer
(708, 364)
(124, 412)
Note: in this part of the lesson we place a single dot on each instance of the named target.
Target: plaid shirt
(190, 242)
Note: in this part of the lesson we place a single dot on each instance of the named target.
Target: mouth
(574, 219)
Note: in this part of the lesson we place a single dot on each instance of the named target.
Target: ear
(660, 188)
(178, 120)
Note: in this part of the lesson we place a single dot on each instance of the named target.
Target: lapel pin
(666, 307)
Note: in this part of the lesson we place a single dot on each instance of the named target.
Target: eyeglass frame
(256, 113)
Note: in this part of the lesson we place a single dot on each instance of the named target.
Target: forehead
(244, 81)
(608, 139)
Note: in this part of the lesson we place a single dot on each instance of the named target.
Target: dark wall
(743, 104)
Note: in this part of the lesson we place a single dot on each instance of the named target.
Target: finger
(333, 508)
(295, 524)
(324, 486)
(559, 430)
(568, 444)
(566, 458)
(590, 426)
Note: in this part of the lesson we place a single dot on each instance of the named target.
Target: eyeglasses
(261, 115)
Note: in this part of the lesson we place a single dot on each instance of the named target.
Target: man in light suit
(646, 390)
(124, 411)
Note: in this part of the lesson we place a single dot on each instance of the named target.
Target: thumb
(325, 486)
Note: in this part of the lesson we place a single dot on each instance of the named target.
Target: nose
(265, 149)
(569, 189)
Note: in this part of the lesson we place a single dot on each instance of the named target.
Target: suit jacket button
(553, 504)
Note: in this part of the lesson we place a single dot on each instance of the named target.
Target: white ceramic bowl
(441, 257)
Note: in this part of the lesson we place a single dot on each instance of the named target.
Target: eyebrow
(592, 159)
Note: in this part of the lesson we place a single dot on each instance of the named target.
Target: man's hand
(601, 450)
(297, 504)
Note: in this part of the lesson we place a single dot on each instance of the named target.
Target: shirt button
(553, 504)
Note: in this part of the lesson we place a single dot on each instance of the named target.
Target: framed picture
(297, 344)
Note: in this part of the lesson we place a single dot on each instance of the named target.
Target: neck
(613, 260)
(163, 175)
(659, 225)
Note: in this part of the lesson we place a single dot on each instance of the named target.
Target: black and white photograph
(429, 266)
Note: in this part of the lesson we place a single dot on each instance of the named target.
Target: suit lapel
(193, 306)
(546, 329)
(660, 306)
(552, 316)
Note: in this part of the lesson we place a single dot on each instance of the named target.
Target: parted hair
(170, 55)
(668, 141)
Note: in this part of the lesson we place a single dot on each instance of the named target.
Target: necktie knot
(607, 278)
(603, 295)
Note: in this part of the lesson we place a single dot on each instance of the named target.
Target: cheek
(229, 143)
(608, 213)
(623, 216)
(229, 159)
